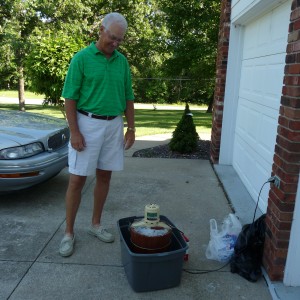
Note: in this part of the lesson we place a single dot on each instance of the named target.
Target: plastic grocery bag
(221, 244)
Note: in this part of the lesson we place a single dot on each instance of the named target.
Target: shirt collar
(96, 51)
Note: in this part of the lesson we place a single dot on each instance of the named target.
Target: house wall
(281, 202)
(221, 69)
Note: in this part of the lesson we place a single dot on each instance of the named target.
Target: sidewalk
(32, 224)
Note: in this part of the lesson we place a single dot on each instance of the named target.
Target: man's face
(111, 38)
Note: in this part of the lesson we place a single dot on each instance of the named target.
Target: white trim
(231, 94)
(292, 267)
(245, 11)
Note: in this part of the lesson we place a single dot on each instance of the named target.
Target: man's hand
(129, 139)
(78, 142)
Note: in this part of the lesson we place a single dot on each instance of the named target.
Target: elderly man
(97, 93)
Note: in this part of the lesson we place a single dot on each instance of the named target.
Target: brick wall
(221, 68)
(286, 161)
(286, 158)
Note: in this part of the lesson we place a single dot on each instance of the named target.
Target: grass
(14, 94)
(148, 121)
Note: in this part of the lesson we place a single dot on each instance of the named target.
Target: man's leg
(73, 199)
(100, 194)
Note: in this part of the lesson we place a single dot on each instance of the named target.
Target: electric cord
(258, 200)
(198, 271)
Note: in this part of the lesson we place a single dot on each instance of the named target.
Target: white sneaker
(101, 233)
(66, 247)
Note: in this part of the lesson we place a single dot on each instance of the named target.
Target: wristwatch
(131, 129)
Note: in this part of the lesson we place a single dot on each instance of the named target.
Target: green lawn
(14, 94)
(148, 121)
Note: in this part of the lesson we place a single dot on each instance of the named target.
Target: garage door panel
(268, 34)
(262, 79)
(279, 33)
(248, 120)
(252, 171)
(254, 129)
(250, 164)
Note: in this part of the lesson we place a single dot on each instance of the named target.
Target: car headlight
(21, 151)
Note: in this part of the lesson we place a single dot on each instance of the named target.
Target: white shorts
(104, 146)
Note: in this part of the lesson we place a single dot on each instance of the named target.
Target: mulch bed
(163, 151)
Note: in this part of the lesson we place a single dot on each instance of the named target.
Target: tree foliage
(193, 27)
(171, 46)
(185, 137)
(47, 64)
(17, 21)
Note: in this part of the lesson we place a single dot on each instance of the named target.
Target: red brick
(286, 155)
(290, 168)
(291, 80)
(221, 69)
(286, 177)
(281, 225)
(277, 247)
(280, 215)
(282, 206)
(291, 135)
(292, 69)
(288, 101)
(293, 36)
(296, 25)
(283, 121)
(294, 125)
(282, 197)
(295, 14)
(291, 90)
(288, 188)
(287, 144)
(290, 112)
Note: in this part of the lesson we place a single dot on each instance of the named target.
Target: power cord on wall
(274, 180)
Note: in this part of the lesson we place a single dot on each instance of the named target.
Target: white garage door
(263, 60)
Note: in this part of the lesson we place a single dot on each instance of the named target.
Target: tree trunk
(210, 105)
(21, 90)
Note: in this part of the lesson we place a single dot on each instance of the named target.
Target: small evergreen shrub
(185, 137)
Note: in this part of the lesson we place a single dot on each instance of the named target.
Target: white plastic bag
(221, 244)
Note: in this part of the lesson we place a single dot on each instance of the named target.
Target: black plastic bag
(248, 250)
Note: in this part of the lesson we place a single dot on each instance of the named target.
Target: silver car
(33, 148)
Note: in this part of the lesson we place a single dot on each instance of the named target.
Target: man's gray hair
(113, 18)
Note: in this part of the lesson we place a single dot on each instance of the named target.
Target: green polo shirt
(99, 85)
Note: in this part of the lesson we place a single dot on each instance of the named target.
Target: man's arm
(130, 133)
(77, 140)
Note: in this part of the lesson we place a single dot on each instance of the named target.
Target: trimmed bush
(185, 137)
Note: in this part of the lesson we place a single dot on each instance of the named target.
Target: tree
(142, 48)
(193, 26)
(171, 46)
(18, 19)
(146, 49)
(23, 22)
(48, 62)
(185, 137)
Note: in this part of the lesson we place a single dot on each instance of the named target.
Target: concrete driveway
(32, 225)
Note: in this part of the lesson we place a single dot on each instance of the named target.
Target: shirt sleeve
(128, 84)
(73, 80)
